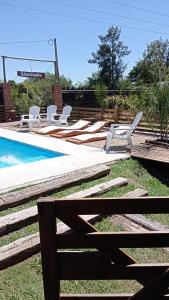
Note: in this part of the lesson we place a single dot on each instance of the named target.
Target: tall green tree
(154, 65)
(109, 57)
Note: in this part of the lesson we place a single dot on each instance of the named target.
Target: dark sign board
(31, 74)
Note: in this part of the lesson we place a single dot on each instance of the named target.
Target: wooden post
(47, 227)
(57, 90)
(102, 109)
(116, 114)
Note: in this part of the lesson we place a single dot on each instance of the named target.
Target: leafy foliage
(36, 92)
(154, 66)
(154, 102)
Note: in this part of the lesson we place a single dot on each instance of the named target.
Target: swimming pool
(14, 153)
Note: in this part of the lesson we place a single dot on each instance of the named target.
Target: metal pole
(4, 70)
(56, 62)
(30, 59)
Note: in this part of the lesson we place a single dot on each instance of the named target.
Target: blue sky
(76, 38)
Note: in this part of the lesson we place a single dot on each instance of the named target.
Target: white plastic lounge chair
(63, 117)
(52, 129)
(51, 110)
(122, 132)
(88, 137)
(32, 118)
(91, 129)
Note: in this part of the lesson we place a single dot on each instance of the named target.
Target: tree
(154, 66)
(109, 57)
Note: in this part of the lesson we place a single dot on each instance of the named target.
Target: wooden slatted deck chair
(96, 127)
(81, 124)
(122, 132)
(106, 259)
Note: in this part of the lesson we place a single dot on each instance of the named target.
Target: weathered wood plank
(19, 250)
(146, 223)
(139, 192)
(16, 198)
(18, 220)
(24, 248)
(29, 216)
(99, 188)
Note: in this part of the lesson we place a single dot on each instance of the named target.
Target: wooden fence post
(116, 114)
(47, 226)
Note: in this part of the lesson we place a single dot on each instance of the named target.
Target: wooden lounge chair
(81, 124)
(91, 129)
(88, 137)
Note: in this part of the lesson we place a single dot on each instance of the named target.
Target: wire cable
(138, 8)
(23, 42)
(82, 19)
(108, 13)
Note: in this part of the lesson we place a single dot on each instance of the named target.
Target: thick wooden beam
(25, 217)
(24, 248)
(13, 199)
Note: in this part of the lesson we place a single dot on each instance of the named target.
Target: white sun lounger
(88, 137)
(51, 129)
(91, 129)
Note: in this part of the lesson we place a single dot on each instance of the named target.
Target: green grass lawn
(24, 281)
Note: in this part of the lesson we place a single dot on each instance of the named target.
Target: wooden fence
(109, 261)
(9, 113)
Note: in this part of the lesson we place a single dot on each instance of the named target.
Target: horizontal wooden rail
(102, 297)
(115, 240)
(103, 271)
(143, 205)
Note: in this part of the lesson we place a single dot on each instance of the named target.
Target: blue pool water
(15, 153)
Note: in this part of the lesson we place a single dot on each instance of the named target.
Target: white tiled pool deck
(77, 157)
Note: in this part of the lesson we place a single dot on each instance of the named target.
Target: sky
(76, 25)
